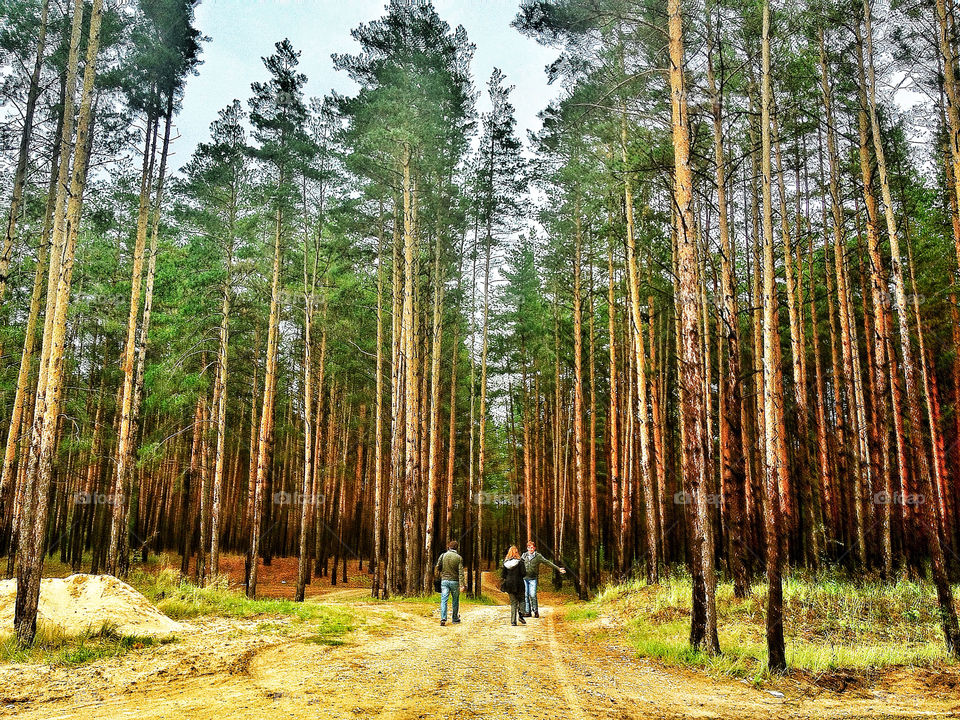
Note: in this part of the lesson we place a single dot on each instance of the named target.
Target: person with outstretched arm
(532, 561)
(450, 570)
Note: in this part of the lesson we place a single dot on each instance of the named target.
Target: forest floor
(396, 662)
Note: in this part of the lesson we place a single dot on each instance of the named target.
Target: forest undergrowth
(836, 623)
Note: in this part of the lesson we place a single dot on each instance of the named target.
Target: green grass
(180, 599)
(581, 613)
(321, 639)
(53, 648)
(832, 623)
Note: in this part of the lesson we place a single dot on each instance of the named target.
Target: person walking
(532, 560)
(450, 570)
(511, 582)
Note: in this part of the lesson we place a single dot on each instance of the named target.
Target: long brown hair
(513, 553)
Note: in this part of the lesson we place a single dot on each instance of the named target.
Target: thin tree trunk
(653, 540)
(433, 461)
(216, 509)
(732, 457)
(879, 301)
(23, 154)
(125, 441)
(131, 526)
(482, 434)
(772, 393)
(582, 543)
(33, 519)
(265, 433)
(378, 575)
(411, 407)
(613, 415)
(691, 366)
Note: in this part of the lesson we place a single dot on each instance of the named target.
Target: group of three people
(518, 578)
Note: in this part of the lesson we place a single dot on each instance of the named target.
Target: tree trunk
(691, 381)
(433, 436)
(653, 540)
(33, 519)
(582, 543)
(23, 154)
(733, 468)
(378, 494)
(265, 433)
(772, 393)
(125, 441)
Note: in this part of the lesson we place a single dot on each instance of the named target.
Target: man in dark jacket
(450, 570)
(532, 561)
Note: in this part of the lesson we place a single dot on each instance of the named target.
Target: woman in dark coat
(511, 582)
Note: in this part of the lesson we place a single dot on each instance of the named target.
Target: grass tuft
(52, 647)
(580, 613)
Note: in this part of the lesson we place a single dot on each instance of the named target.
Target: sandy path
(401, 665)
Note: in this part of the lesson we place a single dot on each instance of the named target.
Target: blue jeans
(448, 588)
(530, 585)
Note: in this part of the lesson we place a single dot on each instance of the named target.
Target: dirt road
(399, 664)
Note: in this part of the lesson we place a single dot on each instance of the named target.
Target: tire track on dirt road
(563, 677)
(511, 661)
(514, 670)
(528, 668)
(503, 653)
(424, 669)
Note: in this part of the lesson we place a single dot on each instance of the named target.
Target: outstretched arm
(555, 567)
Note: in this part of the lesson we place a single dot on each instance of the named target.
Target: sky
(241, 32)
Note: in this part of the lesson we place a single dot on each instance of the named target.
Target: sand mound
(84, 603)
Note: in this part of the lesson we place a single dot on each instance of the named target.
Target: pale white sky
(243, 31)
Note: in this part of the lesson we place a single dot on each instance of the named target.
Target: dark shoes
(522, 621)
(456, 620)
(536, 613)
(514, 623)
(442, 623)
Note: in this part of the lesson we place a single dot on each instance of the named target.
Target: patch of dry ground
(400, 664)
